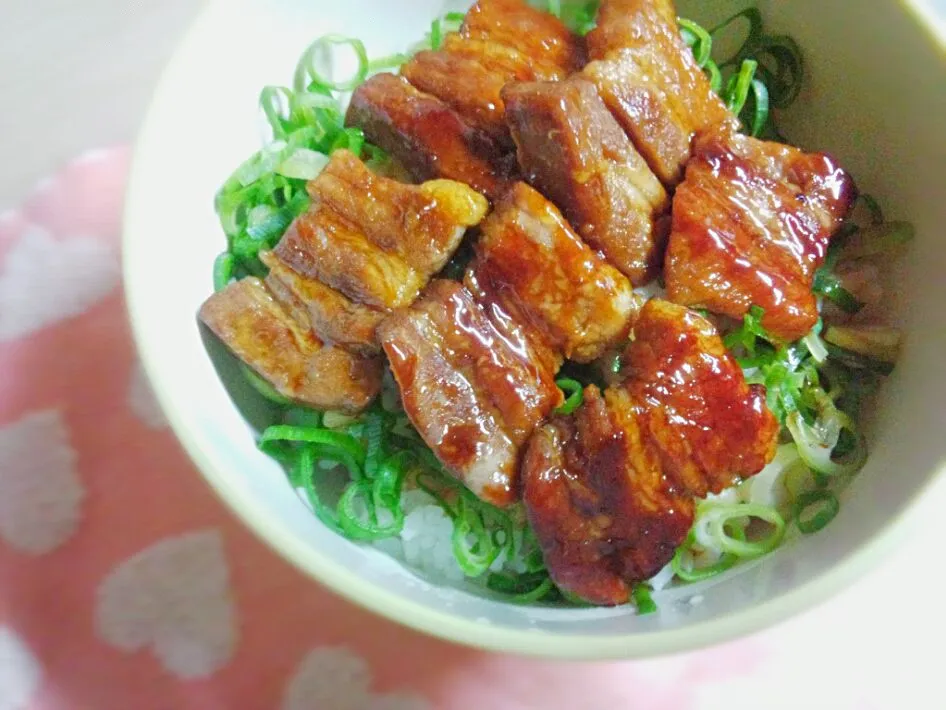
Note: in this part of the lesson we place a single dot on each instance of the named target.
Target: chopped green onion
(753, 34)
(344, 443)
(828, 285)
(781, 64)
(713, 520)
(715, 76)
(642, 600)
(374, 431)
(354, 524)
(521, 589)
(760, 111)
(697, 39)
(302, 475)
(737, 90)
(391, 61)
(223, 270)
(814, 510)
(690, 574)
(307, 73)
(476, 557)
(275, 102)
(263, 387)
(816, 442)
(574, 395)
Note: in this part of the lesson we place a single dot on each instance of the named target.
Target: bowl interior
(877, 109)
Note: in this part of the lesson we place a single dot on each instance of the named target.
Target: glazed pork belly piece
(596, 497)
(252, 323)
(650, 81)
(469, 70)
(572, 149)
(427, 136)
(471, 387)
(538, 35)
(692, 400)
(329, 313)
(751, 225)
(374, 240)
(609, 492)
(530, 265)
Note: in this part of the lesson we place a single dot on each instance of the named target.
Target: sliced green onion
(737, 90)
(828, 285)
(574, 395)
(354, 524)
(714, 518)
(475, 557)
(814, 510)
(374, 431)
(715, 76)
(223, 270)
(784, 80)
(323, 437)
(697, 39)
(263, 387)
(753, 34)
(303, 164)
(816, 441)
(521, 589)
(760, 110)
(554, 7)
(307, 73)
(816, 346)
(691, 574)
(275, 102)
(391, 61)
(302, 476)
(643, 600)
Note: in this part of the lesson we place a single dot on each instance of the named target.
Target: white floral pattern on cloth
(175, 598)
(45, 280)
(20, 672)
(339, 679)
(40, 490)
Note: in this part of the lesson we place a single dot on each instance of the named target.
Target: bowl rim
(417, 616)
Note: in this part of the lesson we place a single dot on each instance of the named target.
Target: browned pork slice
(572, 149)
(422, 224)
(472, 390)
(751, 225)
(649, 79)
(330, 314)
(536, 34)
(535, 268)
(427, 136)
(693, 402)
(375, 240)
(609, 492)
(468, 71)
(597, 498)
(251, 322)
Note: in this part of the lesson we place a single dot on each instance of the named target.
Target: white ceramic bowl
(876, 98)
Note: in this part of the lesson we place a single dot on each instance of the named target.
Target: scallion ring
(574, 395)
(814, 510)
(307, 73)
(223, 270)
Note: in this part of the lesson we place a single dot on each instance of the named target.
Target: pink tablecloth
(124, 584)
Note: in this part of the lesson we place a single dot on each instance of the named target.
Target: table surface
(71, 90)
